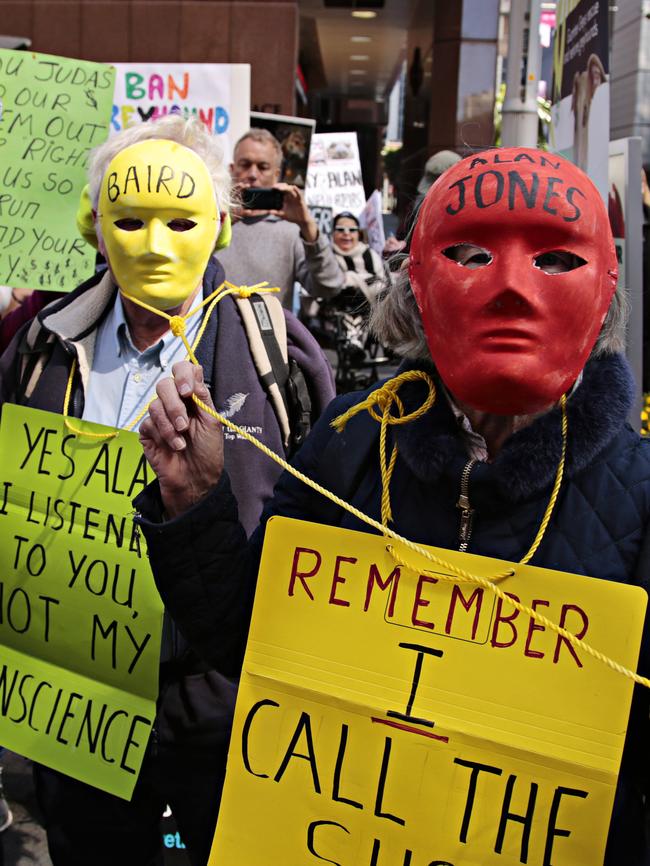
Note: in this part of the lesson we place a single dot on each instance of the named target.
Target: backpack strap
(349, 262)
(281, 376)
(34, 351)
(266, 331)
(368, 262)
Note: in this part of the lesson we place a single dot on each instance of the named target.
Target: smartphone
(260, 198)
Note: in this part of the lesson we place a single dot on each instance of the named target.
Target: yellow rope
(556, 488)
(461, 574)
(177, 327)
(383, 398)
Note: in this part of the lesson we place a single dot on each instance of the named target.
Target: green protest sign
(53, 111)
(80, 617)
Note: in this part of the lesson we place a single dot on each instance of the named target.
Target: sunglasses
(346, 230)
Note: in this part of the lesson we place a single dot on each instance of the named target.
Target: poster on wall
(53, 112)
(334, 177)
(625, 210)
(294, 135)
(216, 93)
(580, 112)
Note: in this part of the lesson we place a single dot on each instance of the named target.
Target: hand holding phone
(261, 198)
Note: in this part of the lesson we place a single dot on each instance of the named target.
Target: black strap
(368, 262)
(349, 261)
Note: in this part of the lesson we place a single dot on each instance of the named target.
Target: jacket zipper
(466, 510)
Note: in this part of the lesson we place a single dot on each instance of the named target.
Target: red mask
(511, 326)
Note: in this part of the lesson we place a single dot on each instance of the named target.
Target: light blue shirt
(123, 380)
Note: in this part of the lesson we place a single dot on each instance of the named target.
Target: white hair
(190, 132)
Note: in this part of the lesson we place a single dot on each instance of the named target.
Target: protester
(282, 246)
(511, 309)
(158, 237)
(342, 322)
(364, 270)
(6, 816)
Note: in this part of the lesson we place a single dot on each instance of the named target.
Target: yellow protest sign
(388, 717)
(80, 617)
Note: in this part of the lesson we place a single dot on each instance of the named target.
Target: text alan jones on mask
(487, 187)
(523, 331)
(387, 716)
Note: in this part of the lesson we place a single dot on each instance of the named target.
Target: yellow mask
(159, 219)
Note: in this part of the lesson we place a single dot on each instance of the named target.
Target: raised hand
(182, 443)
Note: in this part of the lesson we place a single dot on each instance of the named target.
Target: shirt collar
(159, 352)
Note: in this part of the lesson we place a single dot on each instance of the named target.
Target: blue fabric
(123, 379)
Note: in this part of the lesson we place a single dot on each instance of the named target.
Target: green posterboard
(53, 111)
(80, 617)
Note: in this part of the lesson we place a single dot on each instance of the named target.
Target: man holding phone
(274, 236)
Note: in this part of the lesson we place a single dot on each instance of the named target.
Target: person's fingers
(164, 424)
(175, 408)
(250, 212)
(148, 433)
(186, 376)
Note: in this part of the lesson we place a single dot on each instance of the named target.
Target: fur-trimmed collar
(356, 251)
(528, 461)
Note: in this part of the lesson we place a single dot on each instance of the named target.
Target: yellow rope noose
(177, 325)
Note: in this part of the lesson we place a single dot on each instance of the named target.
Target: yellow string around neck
(385, 397)
(177, 325)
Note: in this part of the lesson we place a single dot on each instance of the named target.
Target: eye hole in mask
(468, 255)
(558, 262)
(181, 225)
(129, 224)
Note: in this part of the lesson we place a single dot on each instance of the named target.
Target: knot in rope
(383, 399)
(177, 325)
(247, 291)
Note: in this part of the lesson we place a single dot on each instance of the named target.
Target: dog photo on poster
(581, 86)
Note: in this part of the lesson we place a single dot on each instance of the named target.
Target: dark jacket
(598, 526)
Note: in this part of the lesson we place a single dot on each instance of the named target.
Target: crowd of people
(503, 297)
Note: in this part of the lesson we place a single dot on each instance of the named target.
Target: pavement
(24, 841)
